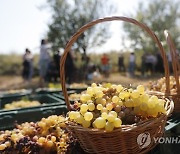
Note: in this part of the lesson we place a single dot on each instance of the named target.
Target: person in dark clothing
(143, 64)
(159, 65)
(56, 58)
(69, 68)
(27, 65)
(52, 72)
(25, 70)
(121, 63)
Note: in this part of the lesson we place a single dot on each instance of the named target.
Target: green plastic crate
(8, 119)
(77, 90)
(47, 91)
(4, 95)
(61, 96)
(45, 100)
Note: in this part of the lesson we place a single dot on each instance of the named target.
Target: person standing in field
(69, 68)
(44, 60)
(27, 65)
(132, 64)
(121, 63)
(105, 65)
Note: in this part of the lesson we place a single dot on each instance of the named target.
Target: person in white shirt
(44, 60)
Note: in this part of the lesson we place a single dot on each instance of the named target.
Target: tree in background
(158, 15)
(69, 15)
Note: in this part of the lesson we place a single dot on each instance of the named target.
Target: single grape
(117, 122)
(7, 143)
(49, 144)
(53, 138)
(42, 124)
(109, 126)
(71, 115)
(90, 91)
(88, 116)
(115, 99)
(62, 144)
(140, 89)
(84, 107)
(99, 94)
(80, 119)
(114, 86)
(2, 146)
(143, 107)
(103, 102)
(83, 98)
(76, 114)
(154, 98)
(135, 94)
(129, 103)
(144, 98)
(117, 108)
(41, 140)
(104, 115)
(113, 113)
(119, 88)
(93, 85)
(127, 110)
(91, 106)
(100, 122)
(151, 103)
(86, 124)
(121, 95)
(109, 106)
(120, 103)
(130, 119)
(121, 114)
(111, 117)
(136, 102)
(99, 107)
(104, 110)
(98, 100)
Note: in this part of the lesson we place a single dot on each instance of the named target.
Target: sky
(23, 24)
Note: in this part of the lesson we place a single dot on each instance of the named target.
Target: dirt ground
(16, 82)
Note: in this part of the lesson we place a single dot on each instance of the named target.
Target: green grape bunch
(109, 106)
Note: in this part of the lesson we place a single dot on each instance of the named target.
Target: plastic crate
(47, 91)
(8, 119)
(77, 90)
(45, 100)
(6, 94)
(60, 96)
(173, 122)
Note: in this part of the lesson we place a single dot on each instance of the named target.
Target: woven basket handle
(114, 18)
(175, 58)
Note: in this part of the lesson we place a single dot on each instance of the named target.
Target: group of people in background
(150, 63)
(49, 65)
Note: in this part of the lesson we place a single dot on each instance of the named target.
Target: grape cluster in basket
(160, 85)
(109, 106)
(46, 136)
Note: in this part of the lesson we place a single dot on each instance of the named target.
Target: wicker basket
(176, 71)
(128, 138)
